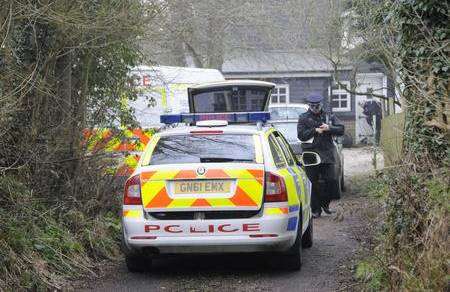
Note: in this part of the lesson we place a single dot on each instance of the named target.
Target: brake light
(205, 132)
(132, 193)
(275, 188)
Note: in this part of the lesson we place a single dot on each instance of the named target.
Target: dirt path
(326, 266)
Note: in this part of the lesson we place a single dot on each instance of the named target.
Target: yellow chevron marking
(220, 202)
(181, 203)
(150, 189)
(165, 175)
(273, 211)
(253, 189)
(132, 213)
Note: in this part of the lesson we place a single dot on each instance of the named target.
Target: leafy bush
(412, 252)
(44, 245)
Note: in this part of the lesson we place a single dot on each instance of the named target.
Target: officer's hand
(325, 127)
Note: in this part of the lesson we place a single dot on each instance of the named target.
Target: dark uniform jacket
(323, 143)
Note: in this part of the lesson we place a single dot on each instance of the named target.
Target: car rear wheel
(291, 260)
(307, 238)
(137, 263)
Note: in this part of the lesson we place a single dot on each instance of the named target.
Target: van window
(235, 148)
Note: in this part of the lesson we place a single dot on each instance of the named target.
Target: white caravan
(163, 90)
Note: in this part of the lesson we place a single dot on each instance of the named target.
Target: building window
(280, 94)
(340, 98)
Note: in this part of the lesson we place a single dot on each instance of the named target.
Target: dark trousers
(324, 185)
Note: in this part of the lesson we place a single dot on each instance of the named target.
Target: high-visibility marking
(132, 213)
(216, 173)
(248, 189)
(161, 200)
(186, 174)
(275, 211)
(201, 203)
(241, 198)
(292, 224)
(294, 208)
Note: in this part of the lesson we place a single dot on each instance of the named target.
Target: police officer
(320, 127)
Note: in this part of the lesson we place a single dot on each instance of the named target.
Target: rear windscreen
(204, 149)
(229, 99)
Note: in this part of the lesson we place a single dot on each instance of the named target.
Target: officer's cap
(314, 98)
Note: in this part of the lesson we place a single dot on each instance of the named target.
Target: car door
(302, 182)
(284, 170)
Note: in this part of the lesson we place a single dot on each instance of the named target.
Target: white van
(163, 90)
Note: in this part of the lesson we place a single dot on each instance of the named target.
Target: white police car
(229, 183)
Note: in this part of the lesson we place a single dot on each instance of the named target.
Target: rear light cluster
(275, 189)
(132, 193)
(206, 132)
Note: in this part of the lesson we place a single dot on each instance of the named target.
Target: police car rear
(212, 187)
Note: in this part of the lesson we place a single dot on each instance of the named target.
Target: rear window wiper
(223, 159)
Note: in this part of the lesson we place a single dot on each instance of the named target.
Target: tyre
(137, 263)
(291, 260)
(307, 238)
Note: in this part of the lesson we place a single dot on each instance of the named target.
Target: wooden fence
(392, 130)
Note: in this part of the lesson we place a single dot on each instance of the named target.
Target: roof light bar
(244, 117)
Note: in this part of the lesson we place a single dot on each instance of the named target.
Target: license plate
(203, 187)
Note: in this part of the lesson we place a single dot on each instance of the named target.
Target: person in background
(372, 108)
(315, 130)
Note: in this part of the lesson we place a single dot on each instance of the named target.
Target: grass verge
(411, 251)
(45, 246)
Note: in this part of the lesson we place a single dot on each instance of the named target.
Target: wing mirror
(308, 158)
(340, 140)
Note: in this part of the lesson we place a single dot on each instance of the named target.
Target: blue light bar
(244, 117)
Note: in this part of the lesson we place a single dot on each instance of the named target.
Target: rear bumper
(275, 230)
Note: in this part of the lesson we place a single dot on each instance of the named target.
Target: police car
(224, 182)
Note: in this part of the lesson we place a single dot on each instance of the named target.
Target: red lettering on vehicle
(250, 227)
(169, 228)
(149, 228)
(221, 228)
(211, 228)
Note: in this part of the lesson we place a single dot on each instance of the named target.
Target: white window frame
(341, 92)
(276, 92)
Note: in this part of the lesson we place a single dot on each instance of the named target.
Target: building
(299, 74)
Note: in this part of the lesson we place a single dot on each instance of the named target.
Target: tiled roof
(275, 61)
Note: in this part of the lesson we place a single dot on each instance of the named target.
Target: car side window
(285, 148)
(277, 154)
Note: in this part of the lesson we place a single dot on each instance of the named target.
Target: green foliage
(63, 68)
(41, 248)
(412, 251)
(424, 32)
(369, 273)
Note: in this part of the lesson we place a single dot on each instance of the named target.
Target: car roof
(303, 105)
(230, 129)
(232, 83)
